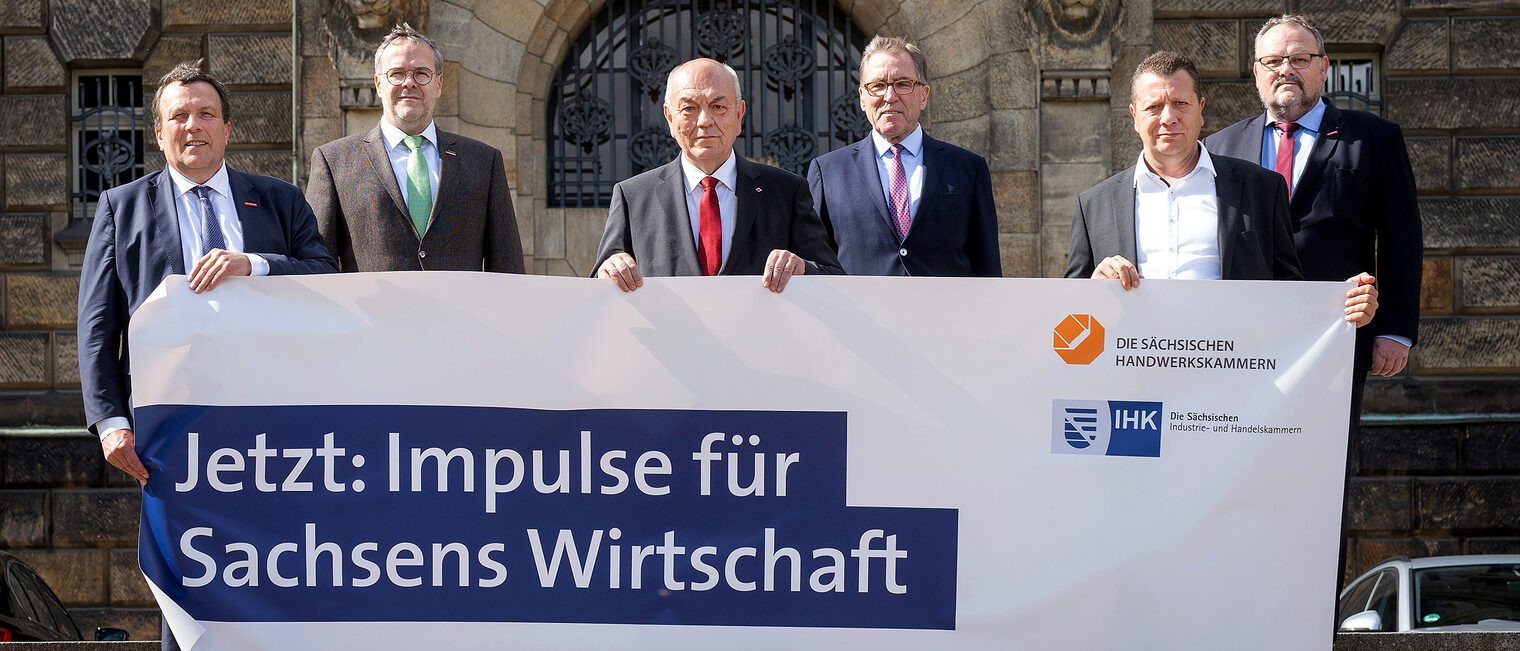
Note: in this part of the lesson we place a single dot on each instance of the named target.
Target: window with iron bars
(107, 136)
(1355, 82)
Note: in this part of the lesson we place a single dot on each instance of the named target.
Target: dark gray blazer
(1255, 236)
(362, 214)
(773, 210)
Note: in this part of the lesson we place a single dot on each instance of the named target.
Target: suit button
(422, 254)
(902, 252)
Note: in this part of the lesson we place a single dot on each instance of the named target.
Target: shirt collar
(1310, 121)
(218, 182)
(727, 173)
(393, 135)
(1143, 171)
(911, 144)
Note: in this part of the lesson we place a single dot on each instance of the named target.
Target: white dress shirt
(400, 153)
(913, 167)
(727, 175)
(187, 206)
(1177, 225)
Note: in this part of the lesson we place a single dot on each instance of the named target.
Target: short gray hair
(893, 45)
(404, 32)
(1296, 20)
(670, 79)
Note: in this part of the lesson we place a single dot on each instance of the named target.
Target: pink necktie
(710, 229)
(900, 194)
(1285, 153)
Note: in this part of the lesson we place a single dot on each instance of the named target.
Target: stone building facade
(1039, 87)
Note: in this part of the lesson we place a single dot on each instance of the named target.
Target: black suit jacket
(1255, 238)
(135, 243)
(954, 233)
(362, 213)
(772, 210)
(1354, 210)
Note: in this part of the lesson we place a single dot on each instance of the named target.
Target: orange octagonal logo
(1078, 339)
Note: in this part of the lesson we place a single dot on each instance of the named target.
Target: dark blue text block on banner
(408, 513)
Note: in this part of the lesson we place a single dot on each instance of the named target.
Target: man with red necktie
(711, 212)
(1351, 191)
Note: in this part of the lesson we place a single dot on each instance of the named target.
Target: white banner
(414, 460)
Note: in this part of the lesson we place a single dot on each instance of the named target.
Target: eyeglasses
(397, 76)
(1298, 61)
(902, 86)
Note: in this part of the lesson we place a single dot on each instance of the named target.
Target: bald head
(705, 73)
(705, 111)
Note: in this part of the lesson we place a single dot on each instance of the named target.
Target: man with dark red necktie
(1351, 190)
(711, 212)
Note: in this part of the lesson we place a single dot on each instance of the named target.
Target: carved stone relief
(354, 29)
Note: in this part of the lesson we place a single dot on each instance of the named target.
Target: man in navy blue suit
(195, 215)
(899, 203)
(1351, 195)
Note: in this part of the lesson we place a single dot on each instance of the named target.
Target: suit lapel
(249, 216)
(866, 164)
(167, 226)
(673, 198)
(929, 151)
(450, 184)
(1123, 199)
(1319, 156)
(380, 160)
(747, 198)
(1227, 191)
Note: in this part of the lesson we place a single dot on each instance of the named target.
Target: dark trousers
(169, 643)
(1353, 437)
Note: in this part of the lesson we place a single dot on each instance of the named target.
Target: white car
(1446, 593)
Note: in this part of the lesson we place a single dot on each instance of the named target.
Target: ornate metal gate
(797, 61)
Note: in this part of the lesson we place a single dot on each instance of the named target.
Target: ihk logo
(1122, 428)
(1078, 339)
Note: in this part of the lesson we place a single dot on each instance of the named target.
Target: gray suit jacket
(1255, 235)
(773, 210)
(362, 214)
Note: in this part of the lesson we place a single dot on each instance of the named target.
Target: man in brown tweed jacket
(405, 195)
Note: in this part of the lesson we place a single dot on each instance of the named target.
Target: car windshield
(1466, 594)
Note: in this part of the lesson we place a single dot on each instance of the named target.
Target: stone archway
(986, 100)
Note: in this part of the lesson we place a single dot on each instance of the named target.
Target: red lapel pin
(1331, 133)
(250, 204)
(450, 152)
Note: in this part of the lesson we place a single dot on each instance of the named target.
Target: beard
(1289, 109)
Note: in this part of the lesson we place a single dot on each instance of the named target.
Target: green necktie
(419, 189)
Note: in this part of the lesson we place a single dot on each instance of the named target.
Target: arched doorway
(797, 61)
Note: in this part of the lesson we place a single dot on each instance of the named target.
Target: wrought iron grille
(797, 62)
(1354, 83)
(108, 137)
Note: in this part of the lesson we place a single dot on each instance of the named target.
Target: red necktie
(900, 213)
(1285, 153)
(709, 229)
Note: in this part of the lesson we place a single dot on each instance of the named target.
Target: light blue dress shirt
(913, 167)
